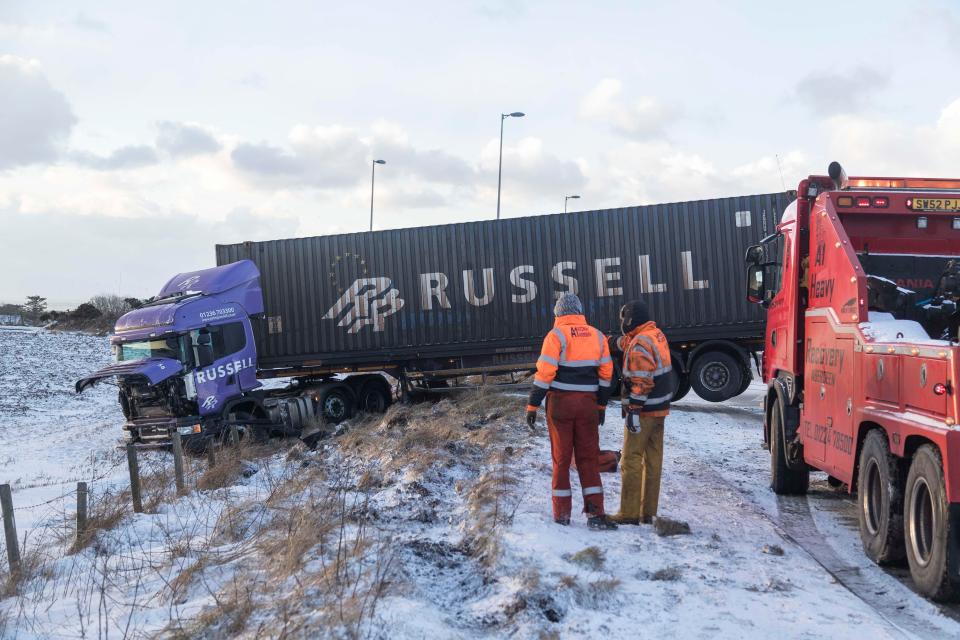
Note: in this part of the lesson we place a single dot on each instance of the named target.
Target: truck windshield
(170, 347)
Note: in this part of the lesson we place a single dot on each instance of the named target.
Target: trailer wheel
(783, 480)
(880, 498)
(683, 387)
(337, 405)
(716, 376)
(375, 397)
(926, 527)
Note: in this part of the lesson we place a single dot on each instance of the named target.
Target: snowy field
(461, 508)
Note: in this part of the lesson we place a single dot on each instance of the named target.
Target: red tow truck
(861, 360)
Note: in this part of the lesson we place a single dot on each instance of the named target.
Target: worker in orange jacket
(574, 373)
(649, 379)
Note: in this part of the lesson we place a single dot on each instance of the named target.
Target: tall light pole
(503, 116)
(373, 173)
(565, 198)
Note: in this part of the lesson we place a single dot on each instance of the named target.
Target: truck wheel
(929, 552)
(783, 480)
(716, 376)
(880, 498)
(375, 397)
(683, 387)
(337, 405)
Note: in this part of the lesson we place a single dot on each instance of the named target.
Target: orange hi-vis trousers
(574, 433)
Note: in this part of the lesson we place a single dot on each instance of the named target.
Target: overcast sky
(135, 136)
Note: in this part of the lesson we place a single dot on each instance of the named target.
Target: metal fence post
(134, 478)
(10, 528)
(81, 510)
(178, 462)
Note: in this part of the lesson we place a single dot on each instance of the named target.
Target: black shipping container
(484, 291)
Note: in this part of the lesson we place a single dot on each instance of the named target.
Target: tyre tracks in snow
(793, 520)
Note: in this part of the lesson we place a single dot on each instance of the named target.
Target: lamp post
(373, 173)
(565, 198)
(503, 116)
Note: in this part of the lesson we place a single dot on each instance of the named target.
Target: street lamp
(503, 116)
(373, 172)
(565, 198)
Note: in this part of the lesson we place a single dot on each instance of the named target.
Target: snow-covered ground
(750, 568)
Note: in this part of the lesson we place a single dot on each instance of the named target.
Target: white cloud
(644, 118)
(886, 147)
(35, 118)
(185, 139)
(124, 158)
(837, 92)
(529, 167)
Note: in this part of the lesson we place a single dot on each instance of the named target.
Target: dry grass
(491, 504)
(104, 513)
(591, 558)
(31, 566)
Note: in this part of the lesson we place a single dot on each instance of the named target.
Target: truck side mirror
(755, 254)
(756, 287)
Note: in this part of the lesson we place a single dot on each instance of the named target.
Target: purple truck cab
(187, 361)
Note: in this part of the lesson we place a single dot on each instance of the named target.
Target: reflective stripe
(565, 386)
(604, 383)
(580, 363)
(592, 491)
(542, 385)
(659, 399)
(634, 396)
(600, 341)
(563, 340)
(653, 348)
(562, 493)
(606, 359)
(549, 359)
(639, 374)
(663, 370)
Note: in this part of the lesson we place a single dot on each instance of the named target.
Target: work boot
(646, 520)
(562, 520)
(622, 519)
(602, 523)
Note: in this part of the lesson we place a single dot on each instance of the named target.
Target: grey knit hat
(568, 304)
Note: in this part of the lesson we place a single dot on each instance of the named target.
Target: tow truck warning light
(864, 202)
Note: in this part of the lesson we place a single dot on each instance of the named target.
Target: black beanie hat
(633, 314)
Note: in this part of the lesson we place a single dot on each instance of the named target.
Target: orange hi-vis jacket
(574, 357)
(647, 370)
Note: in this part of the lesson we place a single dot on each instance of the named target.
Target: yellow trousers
(640, 469)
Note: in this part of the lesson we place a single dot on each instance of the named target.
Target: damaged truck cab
(187, 361)
(861, 362)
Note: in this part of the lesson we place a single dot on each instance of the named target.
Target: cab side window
(227, 339)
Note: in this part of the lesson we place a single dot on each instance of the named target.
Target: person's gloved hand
(602, 414)
(532, 419)
(633, 420)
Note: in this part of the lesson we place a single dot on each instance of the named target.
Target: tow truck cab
(861, 358)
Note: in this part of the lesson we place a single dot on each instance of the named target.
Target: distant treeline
(97, 315)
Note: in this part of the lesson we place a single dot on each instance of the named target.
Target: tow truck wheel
(783, 480)
(880, 498)
(716, 376)
(929, 552)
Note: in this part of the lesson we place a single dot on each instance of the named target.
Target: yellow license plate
(936, 204)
